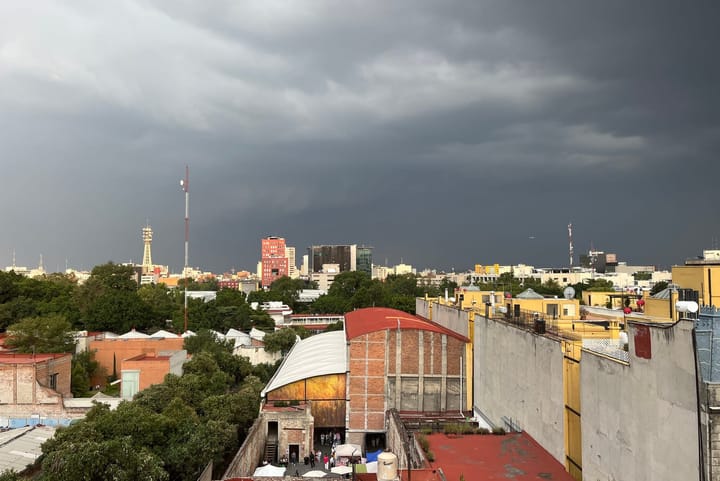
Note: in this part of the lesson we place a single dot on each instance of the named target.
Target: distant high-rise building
(292, 268)
(304, 266)
(274, 259)
(345, 256)
(147, 265)
(364, 260)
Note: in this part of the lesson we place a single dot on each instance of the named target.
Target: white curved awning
(315, 356)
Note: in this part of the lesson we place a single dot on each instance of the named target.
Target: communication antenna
(185, 184)
(570, 243)
(569, 292)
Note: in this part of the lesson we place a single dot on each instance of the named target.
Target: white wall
(519, 375)
(639, 420)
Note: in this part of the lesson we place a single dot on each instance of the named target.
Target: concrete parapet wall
(400, 444)
(250, 453)
(640, 419)
(519, 375)
(447, 316)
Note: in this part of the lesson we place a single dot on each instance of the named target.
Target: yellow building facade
(701, 277)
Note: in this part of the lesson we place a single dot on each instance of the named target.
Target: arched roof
(372, 319)
(317, 355)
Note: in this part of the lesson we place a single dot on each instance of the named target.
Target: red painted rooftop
(15, 358)
(514, 456)
(372, 319)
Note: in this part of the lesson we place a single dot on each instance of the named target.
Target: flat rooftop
(514, 456)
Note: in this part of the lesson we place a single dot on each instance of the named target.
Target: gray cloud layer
(445, 133)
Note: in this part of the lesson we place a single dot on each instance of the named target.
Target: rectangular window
(53, 381)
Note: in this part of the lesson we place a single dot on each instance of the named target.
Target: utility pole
(186, 188)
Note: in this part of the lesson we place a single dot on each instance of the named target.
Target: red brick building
(384, 359)
(402, 361)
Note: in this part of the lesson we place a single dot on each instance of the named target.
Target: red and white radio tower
(186, 188)
(571, 244)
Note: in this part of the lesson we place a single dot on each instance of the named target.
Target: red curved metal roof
(371, 319)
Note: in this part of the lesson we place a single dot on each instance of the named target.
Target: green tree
(346, 284)
(41, 334)
(10, 475)
(114, 459)
(159, 301)
(286, 290)
(84, 369)
(335, 326)
(446, 283)
(280, 341)
(659, 286)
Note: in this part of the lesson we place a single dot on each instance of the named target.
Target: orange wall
(152, 370)
(109, 350)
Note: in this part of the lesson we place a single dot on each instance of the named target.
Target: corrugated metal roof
(133, 334)
(529, 293)
(315, 356)
(21, 447)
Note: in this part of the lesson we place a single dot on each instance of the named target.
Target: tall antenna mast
(570, 243)
(186, 188)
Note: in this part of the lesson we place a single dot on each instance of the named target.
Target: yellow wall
(541, 306)
(480, 297)
(701, 278)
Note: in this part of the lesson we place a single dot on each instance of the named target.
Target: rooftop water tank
(387, 466)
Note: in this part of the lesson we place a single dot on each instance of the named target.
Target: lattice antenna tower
(570, 242)
(147, 234)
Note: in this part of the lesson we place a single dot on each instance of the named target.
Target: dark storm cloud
(442, 133)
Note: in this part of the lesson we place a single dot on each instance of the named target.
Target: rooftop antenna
(570, 244)
(13, 264)
(185, 184)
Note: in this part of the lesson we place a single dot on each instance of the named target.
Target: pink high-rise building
(274, 259)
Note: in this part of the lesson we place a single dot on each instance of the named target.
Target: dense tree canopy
(44, 334)
(169, 431)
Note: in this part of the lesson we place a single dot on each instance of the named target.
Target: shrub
(430, 456)
(424, 443)
(294, 402)
(482, 431)
(498, 430)
(426, 430)
(451, 429)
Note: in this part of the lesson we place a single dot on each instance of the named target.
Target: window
(53, 381)
(568, 310)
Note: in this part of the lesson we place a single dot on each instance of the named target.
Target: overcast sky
(442, 133)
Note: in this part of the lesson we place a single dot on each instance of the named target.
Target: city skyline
(445, 135)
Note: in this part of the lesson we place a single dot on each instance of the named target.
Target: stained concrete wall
(447, 316)
(639, 419)
(519, 375)
(250, 453)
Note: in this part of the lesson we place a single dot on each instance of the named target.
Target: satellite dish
(569, 292)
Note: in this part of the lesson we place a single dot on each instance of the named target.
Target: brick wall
(25, 386)
(110, 353)
(412, 370)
